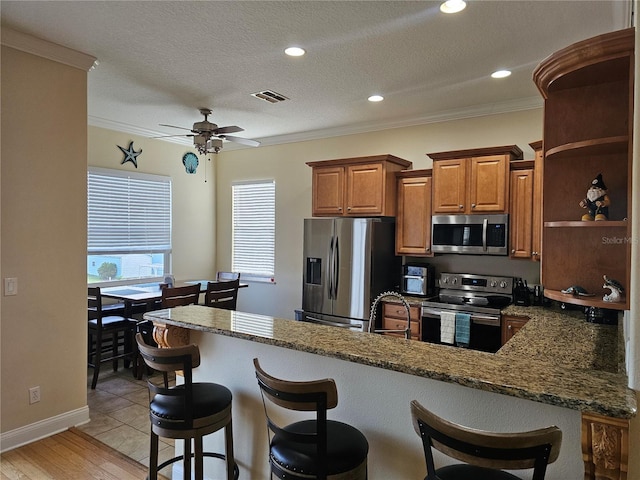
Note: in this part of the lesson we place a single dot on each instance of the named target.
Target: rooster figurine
(616, 288)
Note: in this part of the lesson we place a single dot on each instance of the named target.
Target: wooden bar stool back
(188, 411)
(178, 296)
(485, 454)
(316, 448)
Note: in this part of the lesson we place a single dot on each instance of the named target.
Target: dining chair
(485, 454)
(315, 448)
(110, 337)
(178, 296)
(223, 276)
(188, 411)
(222, 294)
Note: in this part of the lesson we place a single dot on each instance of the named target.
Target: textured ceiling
(161, 60)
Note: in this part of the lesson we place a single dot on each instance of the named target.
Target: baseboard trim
(43, 428)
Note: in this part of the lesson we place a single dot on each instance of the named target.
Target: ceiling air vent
(270, 96)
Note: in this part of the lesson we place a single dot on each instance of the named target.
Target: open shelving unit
(588, 119)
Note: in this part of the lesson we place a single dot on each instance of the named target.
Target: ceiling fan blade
(173, 126)
(229, 129)
(176, 135)
(243, 141)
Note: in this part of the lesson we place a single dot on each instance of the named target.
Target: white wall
(287, 165)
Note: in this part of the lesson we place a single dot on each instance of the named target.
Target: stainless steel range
(470, 304)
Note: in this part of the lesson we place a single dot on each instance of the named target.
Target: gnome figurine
(597, 201)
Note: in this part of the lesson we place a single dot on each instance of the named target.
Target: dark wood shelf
(581, 224)
(596, 146)
(595, 301)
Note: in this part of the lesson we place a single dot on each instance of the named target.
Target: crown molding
(42, 48)
(529, 103)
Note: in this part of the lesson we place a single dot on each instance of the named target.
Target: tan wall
(193, 216)
(287, 165)
(44, 147)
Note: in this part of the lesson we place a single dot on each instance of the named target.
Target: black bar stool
(316, 448)
(188, 411)
(485, 453)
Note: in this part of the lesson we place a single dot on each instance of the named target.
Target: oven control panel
(477, 283)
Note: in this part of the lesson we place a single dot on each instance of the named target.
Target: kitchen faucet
(372, 316)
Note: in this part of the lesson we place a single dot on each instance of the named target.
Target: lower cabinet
(394, 317)
(511, 324)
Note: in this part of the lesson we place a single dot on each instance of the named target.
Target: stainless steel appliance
(470, 234)
(417, 280)
(348, 262)
(479, 296)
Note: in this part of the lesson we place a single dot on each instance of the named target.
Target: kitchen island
(377, 376)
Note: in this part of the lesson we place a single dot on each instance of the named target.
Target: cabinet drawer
(397, 310)
(389, 323)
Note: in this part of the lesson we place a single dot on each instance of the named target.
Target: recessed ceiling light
(295, 51)
(375, 98)
(501, 74)
(453, 6)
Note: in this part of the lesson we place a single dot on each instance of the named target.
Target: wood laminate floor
(70, 455)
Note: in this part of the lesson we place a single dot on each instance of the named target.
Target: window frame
(166, 252)
(267, 224)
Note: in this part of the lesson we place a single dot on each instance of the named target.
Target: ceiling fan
(208, 137)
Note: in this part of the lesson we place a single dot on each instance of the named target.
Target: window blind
(128, 212)
(254, 229)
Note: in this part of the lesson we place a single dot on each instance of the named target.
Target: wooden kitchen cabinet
(521, 209)
(413, 220)
(394, 317)
(588, 122)
(363, 186)
(472, 181)
(536, 221)
(511, 324)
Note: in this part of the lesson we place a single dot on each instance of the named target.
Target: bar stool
(485, 453)
(311, 449)
(188, 411)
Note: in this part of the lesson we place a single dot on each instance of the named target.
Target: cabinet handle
(509, 327)
(339, 209)
(473, 205)
(513, 251)
(349, 209)
(461, 207)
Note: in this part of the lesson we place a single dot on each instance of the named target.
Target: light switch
(10, 286)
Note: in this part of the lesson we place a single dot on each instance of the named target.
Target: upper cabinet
(472, 181)
(521, 209)
(588, 120)
(362, 186)
(413, 221)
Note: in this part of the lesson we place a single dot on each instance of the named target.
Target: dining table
(143, 297)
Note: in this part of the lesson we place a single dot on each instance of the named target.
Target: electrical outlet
(34, 395)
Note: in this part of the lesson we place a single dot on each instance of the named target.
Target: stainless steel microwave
(470, 234)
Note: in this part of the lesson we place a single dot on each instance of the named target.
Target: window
(129, 226)
(254, 230)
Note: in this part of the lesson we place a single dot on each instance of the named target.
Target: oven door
(485, 328)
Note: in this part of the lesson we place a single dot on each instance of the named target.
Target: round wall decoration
(190, 162)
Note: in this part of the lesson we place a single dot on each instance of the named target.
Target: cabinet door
(365, 189)
(413, 222)
(328, 191)
(489, 184)
(449, 186)
(521, 213)
(536, 228)
(512, 325)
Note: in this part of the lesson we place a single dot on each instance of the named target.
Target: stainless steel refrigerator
(348, 262)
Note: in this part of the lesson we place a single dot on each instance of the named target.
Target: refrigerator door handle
(330, 272)
(336, 268)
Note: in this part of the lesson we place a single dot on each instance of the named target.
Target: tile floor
(119, 412)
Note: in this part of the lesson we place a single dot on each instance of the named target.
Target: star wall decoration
(130, 155)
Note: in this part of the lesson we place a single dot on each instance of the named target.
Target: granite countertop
(555, 359)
